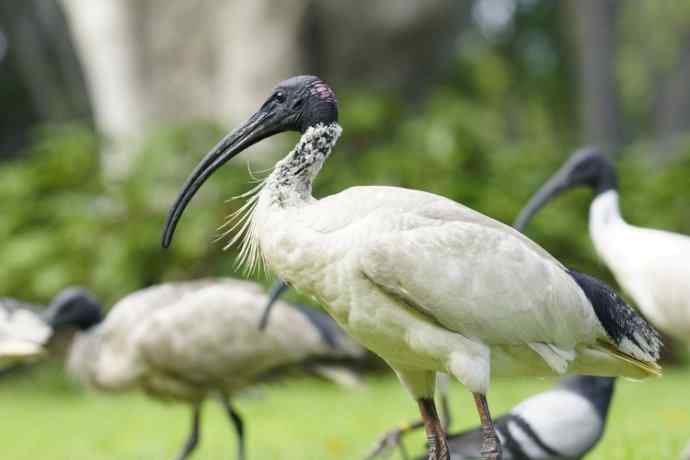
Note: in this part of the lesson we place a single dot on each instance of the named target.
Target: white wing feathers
(480, 279)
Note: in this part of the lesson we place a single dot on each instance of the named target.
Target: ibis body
(652, 266)
(424, 282)
(185, 341)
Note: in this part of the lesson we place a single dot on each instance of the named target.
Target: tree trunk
(150, 61)
(672, 105)
(595, 42)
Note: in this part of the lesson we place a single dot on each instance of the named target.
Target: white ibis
(424, 282)
(652, 266)
(25, 330)
(186, 341)
(563, 423)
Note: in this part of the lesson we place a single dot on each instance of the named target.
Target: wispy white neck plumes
(288, 185)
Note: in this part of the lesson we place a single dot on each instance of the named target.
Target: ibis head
(587, 167)
(74, 307)
(294, 105)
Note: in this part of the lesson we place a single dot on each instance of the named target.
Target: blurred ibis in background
(563, 423)
(186, 341)
(652, 266)
(535, 428)
(424, 282)
(27, 329)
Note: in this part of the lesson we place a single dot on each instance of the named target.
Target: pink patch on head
(323, 91)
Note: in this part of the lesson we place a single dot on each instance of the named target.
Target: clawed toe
(387, 443)
(492, 453)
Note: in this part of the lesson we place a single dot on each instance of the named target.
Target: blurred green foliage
(62, 225)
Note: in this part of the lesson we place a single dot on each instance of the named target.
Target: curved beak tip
(166, 238)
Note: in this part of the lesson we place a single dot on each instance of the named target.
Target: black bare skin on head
(590, 167)
(74, 307)
(303, 101)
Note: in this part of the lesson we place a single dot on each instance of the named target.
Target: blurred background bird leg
(193, 439)
(237, 423)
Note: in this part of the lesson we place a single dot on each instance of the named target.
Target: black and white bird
(27, 329)
(424, 282)
(563, 423)
(652, 266)
(187, 341)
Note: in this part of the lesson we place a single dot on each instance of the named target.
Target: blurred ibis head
(75, 307)
(587, 167)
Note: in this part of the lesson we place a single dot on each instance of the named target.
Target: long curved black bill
(250, 132)
(278, 288)
(557, 184)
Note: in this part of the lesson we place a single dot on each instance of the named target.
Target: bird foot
(441, 455)
(491, 455)
(491, 450)
(386, 444)
(438, 450)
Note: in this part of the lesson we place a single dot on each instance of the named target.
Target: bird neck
(288, 186)
(291, 180)
(597, 390)
(604, 212)
(604, 222)
(606, 180)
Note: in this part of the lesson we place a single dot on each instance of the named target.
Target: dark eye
(280, 97)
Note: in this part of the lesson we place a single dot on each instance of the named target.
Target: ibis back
(181, 340)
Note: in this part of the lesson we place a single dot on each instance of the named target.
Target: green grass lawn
(44, 416)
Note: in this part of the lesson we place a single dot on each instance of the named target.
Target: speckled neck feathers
(288, 185)
(290, 182)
